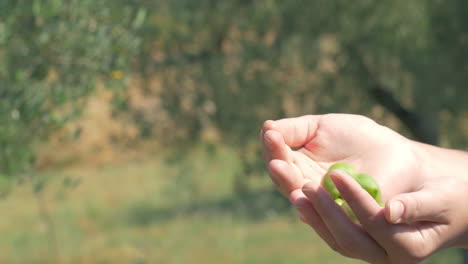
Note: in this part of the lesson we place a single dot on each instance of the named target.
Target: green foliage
(52, 53)
(246, 59)
(233, 64)
(225, 64)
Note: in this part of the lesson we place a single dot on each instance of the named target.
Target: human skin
(425, 188)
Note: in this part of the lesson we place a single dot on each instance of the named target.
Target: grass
(162, 210)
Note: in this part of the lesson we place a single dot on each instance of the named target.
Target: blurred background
(129, 129)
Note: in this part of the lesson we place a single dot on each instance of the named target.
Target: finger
(310, 169)
(274, 147)
(310, 217)
(350, 237)
(363, 205)
(296, 131)
(423, 205)
(267, 125)
(285, 176)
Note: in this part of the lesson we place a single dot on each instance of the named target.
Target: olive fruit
(365, 181)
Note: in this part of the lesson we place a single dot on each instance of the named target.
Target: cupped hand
(301, 149)
(410, 228)
(424, 187)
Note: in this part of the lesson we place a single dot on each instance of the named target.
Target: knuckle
(413, 207)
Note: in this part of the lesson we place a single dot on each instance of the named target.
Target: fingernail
(267, 138)
(269, 124)
(396, 211)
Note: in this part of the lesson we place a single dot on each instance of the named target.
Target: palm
(318, 142)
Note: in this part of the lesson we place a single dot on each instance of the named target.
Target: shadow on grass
(254, 205)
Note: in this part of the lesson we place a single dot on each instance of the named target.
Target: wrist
(422, 168)
(437, 162)
(434, 162)
(462, 240)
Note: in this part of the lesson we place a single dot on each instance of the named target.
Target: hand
(410, 228)
(297, 150)
(428, 181)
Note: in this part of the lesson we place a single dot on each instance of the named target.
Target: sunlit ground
(160, 210)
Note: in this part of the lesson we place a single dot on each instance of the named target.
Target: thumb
(423, 205)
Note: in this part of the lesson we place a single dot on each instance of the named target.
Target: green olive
(370, 185)
(349, 212)
(366, 181)
(328, 184)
